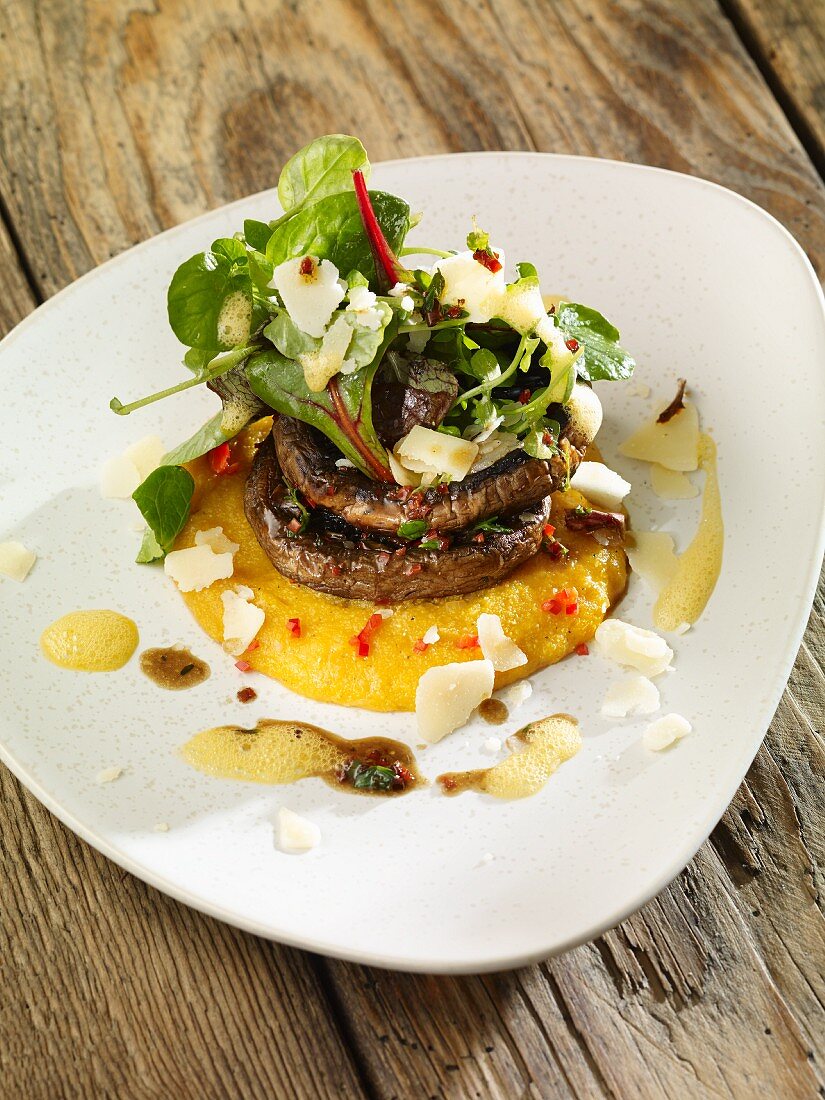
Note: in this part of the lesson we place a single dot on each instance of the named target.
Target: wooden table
(118, 119)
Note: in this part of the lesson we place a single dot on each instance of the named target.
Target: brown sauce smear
(280, 752)
(494, 711)
(545, 745)
(173, 668)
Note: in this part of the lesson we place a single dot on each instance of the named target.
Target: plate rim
(488, 962)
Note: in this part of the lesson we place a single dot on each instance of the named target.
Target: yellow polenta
(322, 663)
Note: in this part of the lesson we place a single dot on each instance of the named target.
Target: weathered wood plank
(120, 118)
(787, 39)
(111, 989)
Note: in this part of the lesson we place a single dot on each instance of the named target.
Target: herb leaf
(371, 777)
(163, 499)
(492, 525)
(604, 357)
(324, 167)
(413, 529)
(332, 230)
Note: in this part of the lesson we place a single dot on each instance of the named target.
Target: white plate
(703, 284)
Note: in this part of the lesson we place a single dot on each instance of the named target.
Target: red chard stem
(387, 265)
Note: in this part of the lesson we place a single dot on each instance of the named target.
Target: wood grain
(118, 119)
(787, 39)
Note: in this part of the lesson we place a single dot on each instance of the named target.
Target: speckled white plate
(703, 284)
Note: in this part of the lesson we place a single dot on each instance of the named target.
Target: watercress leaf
(484, 365)
(331, 229)
(355, 278)
(149, 550)
(256, 234)
(604, 357)
(260, 270)
(526, 270)
(343, 411)
(231, 249)
(535, 445)
(477, 239)
(198, 359)
(324, 167)
(210, 301)
(371, 777)
(164, 499)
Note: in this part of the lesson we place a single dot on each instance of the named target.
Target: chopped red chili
(307, 266)
(420, 646)
(571, 344)
(479, 537)
(469, 641)
(412, 569)
(218, 459)
(246, 695)
(294, 525)
(582, 649)
(294, 627)
(563, 602)
(548, 530)
(488, 259)
(524, 396)
(336, 570)
(243, 666)
(253, 645)
(362, 639)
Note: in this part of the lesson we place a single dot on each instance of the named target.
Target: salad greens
(510, 363)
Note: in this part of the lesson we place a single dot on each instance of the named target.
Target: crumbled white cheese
(197, 567)
(109, 775)
(601, 485)
(633, 647)
(515, 694)
(491, 746)
(160, 827)
(486, 430)
(325, 362)
(122, 474)
(242, 619)
(674, 444)
(344, 464)
(496, 646)
(428, 452)
(662, 733)
(402, 475)
(671, 484)
(15, 560)
(399, 290)
(431, 636)
(384, 612)
(631, 695)
(296, 833)
(471, 285)
(361, 298)
(488, 857)
(407, 303)
(447, 695)
(495, 446)
(311, 299)
(215, 538)
(652, 557)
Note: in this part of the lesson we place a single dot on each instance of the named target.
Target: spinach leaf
(322, 168)
(332, 230)
(163, 499)
(204, 439)
(343, 411)
(256, 234)
(210, 298)
(603, 358)
(240, 405)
